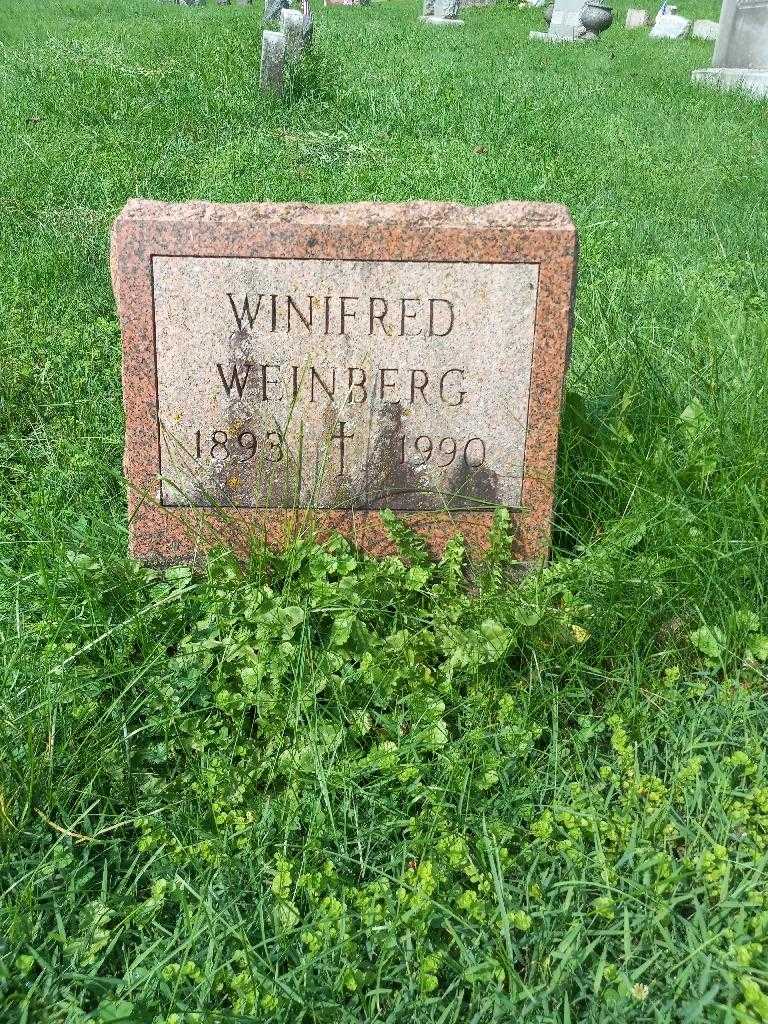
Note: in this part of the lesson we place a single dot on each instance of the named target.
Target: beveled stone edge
(511, 213)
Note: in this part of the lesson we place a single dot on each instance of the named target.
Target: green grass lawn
(323, 788)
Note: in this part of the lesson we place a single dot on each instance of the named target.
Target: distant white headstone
(670, 26)
(704, 29)
(565, 26)
(636, 18)
(576, 21)
(741, 54)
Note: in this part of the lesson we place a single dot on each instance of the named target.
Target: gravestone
(284, 47)
(297, 29)
(575, 21)
(741, 53)
(442, 13)
(565, 26)
(670, 26)
(704, 29)
(636, 18)
(287, 364)
(273, 51)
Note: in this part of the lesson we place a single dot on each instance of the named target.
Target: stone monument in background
(669, 24)
(636, 18)
(572, 21)
(705, 29)
(283, 47)
(740, 60)
(442, 12)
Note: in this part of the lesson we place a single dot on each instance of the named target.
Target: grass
(322, 788)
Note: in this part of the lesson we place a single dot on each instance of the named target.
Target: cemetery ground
(322, 787)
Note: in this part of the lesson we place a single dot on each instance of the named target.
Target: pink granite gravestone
(287, 364)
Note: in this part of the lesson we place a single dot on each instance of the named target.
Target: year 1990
(423, 449)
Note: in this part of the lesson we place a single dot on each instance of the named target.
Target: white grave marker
(565, 26)
(670, 26)
(576, 21)
(636, 18)
(704, 29)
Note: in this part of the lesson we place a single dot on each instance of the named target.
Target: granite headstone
(286, 363)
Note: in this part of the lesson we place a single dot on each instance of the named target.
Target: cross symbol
(341, 436)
